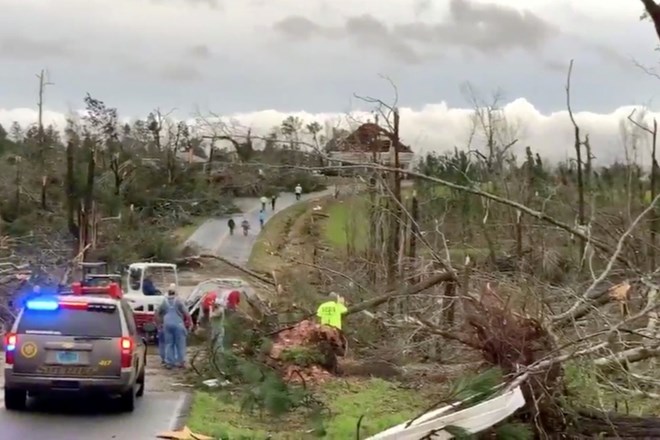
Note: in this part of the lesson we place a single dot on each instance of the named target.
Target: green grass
(583, 382)
(272, 236)
(183, 233)
(382, 404)
(348, 222)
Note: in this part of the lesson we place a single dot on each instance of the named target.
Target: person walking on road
(246, 226)
(264, 200)
(231, 224)
(298, 191)
(273, 199)
(175, 320)
(262, 218)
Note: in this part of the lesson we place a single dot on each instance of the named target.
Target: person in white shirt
(264, 200)
(298, 191)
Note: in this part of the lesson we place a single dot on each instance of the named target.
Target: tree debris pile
(511, 341)
(307, 352)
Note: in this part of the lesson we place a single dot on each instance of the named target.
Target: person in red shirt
(232, 300)
(207, 305)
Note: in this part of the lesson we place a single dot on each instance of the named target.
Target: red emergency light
(112, 289)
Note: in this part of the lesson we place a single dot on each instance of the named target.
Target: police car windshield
(71, 322)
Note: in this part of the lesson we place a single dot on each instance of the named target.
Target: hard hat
(172, 287)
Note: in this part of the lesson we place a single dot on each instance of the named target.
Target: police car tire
(15, 400)
(127, 400)
(140, 383)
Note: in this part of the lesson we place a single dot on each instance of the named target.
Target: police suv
(82, 341)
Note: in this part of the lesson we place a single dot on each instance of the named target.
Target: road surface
(213, 235)
(97, 419)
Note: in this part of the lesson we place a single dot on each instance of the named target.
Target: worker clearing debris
(331, 312)
(215, 308)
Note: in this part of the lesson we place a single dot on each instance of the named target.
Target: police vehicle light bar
(42, 304)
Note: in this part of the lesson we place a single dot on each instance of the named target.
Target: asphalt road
(213, 235)
(97, 419)
(93, 420)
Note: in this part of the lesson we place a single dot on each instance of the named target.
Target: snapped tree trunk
(654, 182)
(72, 202)
(394, 209)
(89, 200)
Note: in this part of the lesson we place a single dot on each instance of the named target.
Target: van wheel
(127, 400)
(140, 383)
(15, 400)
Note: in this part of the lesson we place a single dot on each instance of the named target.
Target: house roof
(368, 137)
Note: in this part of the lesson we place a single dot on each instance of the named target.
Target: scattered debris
(214, 383)
(473, 419)
(183, 434)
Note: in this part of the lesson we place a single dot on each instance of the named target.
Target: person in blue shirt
(148, 287)
(262, 217)
(174, 318)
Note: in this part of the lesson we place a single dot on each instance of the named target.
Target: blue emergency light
(42, 304)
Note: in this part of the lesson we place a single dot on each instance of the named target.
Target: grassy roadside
(183, 233)
(273, 237)
(380, 403)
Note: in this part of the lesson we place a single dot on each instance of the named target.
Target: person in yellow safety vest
(331, 312)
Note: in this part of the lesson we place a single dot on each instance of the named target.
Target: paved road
(213, 235)
(97, 419)
(94, 420)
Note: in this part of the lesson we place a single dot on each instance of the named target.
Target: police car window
(69, 322)
(130, 319)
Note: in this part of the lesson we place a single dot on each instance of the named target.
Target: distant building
(369, 143)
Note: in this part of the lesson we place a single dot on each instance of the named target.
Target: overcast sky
(281, 56)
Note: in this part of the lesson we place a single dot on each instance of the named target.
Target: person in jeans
(161, 345)
(224, 306)
(174, 318)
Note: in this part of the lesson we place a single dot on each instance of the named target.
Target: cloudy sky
(258, 60)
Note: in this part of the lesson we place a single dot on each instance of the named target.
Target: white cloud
(436, 127)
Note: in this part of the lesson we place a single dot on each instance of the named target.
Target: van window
(69, 322)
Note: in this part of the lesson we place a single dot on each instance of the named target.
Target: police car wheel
(140, 383)
(15, 400)
(127, 400)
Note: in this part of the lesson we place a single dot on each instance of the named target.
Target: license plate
(67, 357)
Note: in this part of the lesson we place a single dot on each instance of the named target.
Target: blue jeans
(161, 344)
(175, 344)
